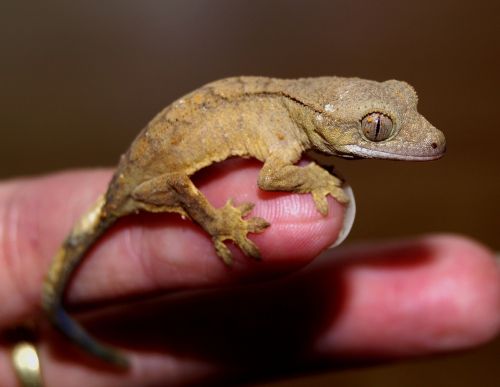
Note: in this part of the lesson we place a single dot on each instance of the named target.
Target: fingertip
(471, 279)
(432, 294)
(297, 231)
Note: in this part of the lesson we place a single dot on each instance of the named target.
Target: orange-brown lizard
(272, 120)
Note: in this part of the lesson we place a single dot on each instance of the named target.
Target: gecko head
(368, 119)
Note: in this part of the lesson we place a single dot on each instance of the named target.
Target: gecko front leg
(279, 174)
(175, 192)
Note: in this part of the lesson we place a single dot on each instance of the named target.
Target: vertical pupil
(377, 128)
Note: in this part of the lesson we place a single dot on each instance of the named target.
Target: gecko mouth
(356, 150)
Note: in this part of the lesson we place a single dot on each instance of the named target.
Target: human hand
(366, 303)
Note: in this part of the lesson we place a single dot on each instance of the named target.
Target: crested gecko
(272, 120)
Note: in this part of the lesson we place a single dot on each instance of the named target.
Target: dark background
(79, 79)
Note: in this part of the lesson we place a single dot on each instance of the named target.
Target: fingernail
(350, 214)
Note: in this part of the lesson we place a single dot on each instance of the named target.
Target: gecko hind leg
(175, 192)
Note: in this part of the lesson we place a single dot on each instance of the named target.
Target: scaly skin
(272, 120)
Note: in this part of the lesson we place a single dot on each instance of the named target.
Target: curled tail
(83, 235)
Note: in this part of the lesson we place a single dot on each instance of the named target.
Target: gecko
(275, 121)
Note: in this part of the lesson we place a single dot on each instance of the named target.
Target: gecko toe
(223, 251)
(249, 248)
(246, 208)
(340, 196)
(257, 225)
(320, 202)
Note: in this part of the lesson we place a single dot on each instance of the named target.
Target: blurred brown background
(79, 79)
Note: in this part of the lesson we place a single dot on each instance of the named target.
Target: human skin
(367, 303)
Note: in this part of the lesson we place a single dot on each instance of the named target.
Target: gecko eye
(376, 126)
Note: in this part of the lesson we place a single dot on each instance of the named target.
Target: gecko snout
(437, 143)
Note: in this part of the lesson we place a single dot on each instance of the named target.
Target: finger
(409, 298)
(378, 301)
(147, 252)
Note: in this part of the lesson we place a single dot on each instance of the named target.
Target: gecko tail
(83, 235)
(64, 323)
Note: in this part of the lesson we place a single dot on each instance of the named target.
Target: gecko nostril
(434, 145)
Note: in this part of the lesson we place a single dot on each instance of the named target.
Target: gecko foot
(230, 225)
(328, 185)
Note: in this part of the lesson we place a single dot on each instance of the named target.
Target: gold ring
(27, 364)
